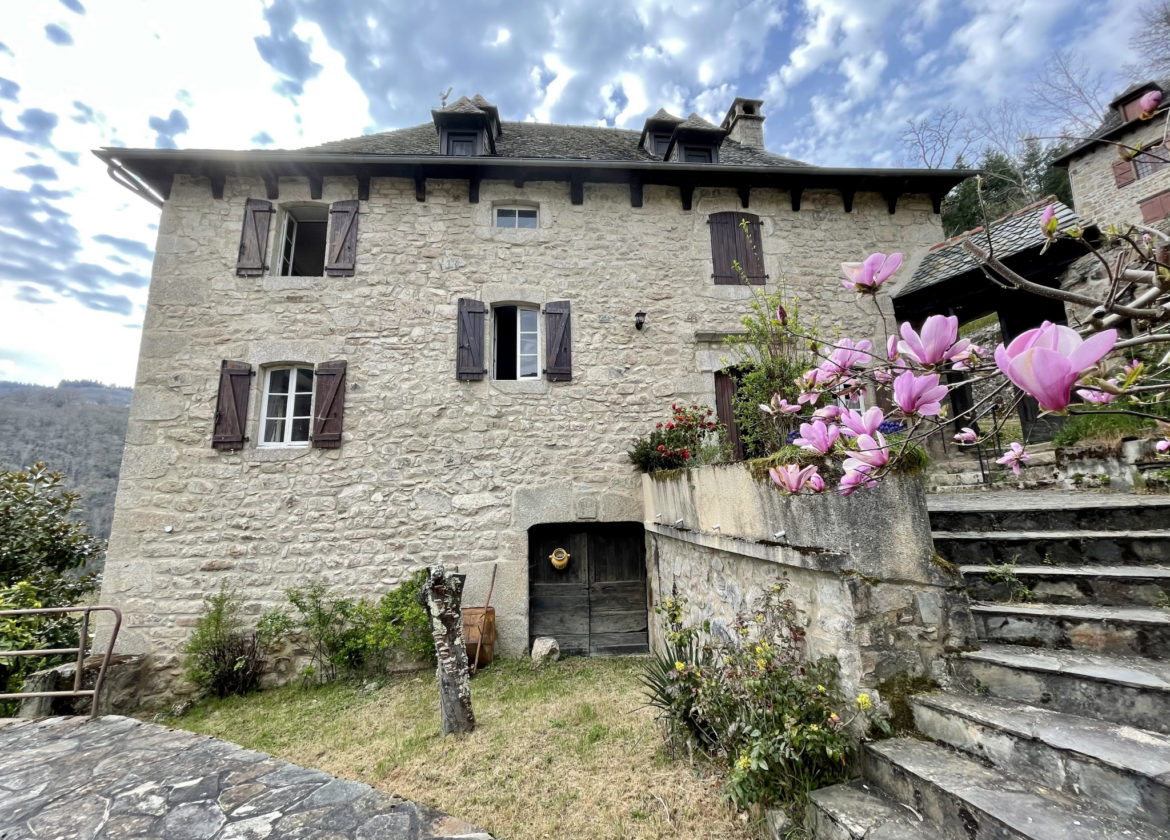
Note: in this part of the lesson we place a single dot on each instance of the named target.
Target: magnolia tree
(1066, 370)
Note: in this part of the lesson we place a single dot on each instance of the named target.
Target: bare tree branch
(938, 140)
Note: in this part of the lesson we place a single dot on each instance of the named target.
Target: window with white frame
(303, 238)
(515, 217)
(287, 408)
(516, 342)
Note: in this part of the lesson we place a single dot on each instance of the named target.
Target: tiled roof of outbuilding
(1010, 235)
(544, 141)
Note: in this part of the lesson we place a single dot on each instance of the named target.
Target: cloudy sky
(840, 78)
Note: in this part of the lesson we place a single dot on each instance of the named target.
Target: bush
(222, 656)
(779, 723)
(688, 439)
(1098, 426)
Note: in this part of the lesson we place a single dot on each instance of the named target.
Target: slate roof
(545, 141)
(1010, 235)
(462, 105)
(1112, 122)
(697, 123)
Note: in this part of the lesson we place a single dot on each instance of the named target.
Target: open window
(516, 342)
(302, 251)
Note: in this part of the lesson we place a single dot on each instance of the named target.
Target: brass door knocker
(559, 559)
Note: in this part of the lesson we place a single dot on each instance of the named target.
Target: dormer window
(696, 154)
(461, 143)
(660, 143)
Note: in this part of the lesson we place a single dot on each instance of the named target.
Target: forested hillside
(77, 428)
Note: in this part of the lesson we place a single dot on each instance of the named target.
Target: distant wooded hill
(78, 428)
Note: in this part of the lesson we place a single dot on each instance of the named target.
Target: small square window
(660, 142)
(696, 154)
(302, 252)
(461, 143)
(515, 217)
(516, 342)
(287, 406)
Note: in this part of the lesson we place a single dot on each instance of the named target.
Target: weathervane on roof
(443, 96)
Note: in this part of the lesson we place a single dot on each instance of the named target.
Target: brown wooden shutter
(343, 225)
(558, 341)
(1123, 173)
(731, 244)
(254, 238)
(231, 406)
(328, 405)
(1156, 207)
(725, 388)
(469, 350)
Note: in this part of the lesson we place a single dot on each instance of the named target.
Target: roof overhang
(154, 171)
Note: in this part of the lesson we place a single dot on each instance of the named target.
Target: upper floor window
(736, 249)
(461, 143)
(659, 143)
(302, 252)
(697, 154)
(1151, 160)
(516, 342)
(287, 407)
(515, 217)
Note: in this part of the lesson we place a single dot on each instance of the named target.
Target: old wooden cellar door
(595, 605)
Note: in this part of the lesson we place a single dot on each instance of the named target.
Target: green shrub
(1098, 426)
(223, 657)
(778, 723)
(688, 439)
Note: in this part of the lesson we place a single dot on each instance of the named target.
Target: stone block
(545, 649)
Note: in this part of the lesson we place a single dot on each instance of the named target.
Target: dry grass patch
(569, 750)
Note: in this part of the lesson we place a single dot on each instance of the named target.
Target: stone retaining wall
(862, 570)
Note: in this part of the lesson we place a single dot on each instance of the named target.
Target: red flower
(670, 425)
(657, 425)
(661, 447)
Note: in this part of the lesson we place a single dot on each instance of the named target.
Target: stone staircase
(1058, 728)
(959, 472)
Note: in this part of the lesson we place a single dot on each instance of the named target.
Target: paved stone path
(115, 777)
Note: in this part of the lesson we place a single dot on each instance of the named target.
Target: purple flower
(816, 483)
(865, 277)
(857, 423)
(937, 343)
(1098, 395)
(1015, 457)
(1049, 222)
(1046, 361)
(892, 348)
(855, 478)
(817, 437)
(1162, 446)
(872, 451)
(846, 356)
(966, 435)
(828, 412)
(920, 395)
(971, 356)
(1149, 103)
(792, 478)
(782, 315)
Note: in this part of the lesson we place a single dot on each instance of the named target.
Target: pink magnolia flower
(854, 479)
(782, 315)
(937, 343)
(857, 423)
(817, 437)
(828, 412)
(1162, 446)
(883, 376)
(1046, 361)
(1015, 457)
(892, 348)
(809, 397)
(846, 356)
(965, 359)
(1149, 103)
(966, 435)
(779, 405)
(872, 451)
(920, 395)
(792, 478)
(1096, 395)
(1049, 222)
(816, 483)
(865, 277)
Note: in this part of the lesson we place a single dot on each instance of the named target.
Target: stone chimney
(744, 123)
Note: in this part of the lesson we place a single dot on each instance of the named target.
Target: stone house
(436, 344)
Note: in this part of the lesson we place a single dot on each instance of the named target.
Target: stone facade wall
(861, 570)
(430, 468)
(1096, 196)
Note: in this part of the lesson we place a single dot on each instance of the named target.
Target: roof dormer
(1128, 104)
(657, 131)
(467, 127)
(694, 140)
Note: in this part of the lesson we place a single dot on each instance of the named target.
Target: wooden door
(596, 605)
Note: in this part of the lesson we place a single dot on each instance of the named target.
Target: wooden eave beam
(635, 192)
(687, 194)
(420, 185)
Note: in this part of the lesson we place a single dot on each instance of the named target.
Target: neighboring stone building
(421, 346)
(1121, 174)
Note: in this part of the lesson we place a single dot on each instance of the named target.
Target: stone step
(1128, 690)
(1049, 511)
(855, 810)
(1117, 586)
(1137, 631)
(966, 799)
(1124, 768)
(1037, 547)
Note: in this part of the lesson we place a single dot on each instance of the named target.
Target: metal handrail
(82, 638)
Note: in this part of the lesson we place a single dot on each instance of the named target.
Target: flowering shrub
(779, 724)
(690, 437)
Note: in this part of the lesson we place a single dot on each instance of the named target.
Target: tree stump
(441, 595)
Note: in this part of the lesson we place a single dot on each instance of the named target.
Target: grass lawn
(569, 750)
